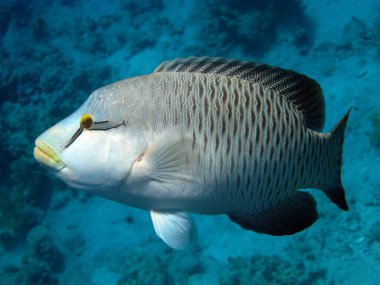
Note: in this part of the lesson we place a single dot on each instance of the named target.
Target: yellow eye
(86, 121)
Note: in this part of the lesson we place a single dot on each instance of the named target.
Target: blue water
(54, 53)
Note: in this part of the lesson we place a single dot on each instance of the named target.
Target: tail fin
(335, 191)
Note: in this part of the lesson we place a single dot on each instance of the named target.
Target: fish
(208, 136)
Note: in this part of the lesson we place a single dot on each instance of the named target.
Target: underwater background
(53, 54)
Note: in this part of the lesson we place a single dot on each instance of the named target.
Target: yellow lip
(47, 157)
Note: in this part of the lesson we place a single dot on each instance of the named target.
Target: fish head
(91, 149)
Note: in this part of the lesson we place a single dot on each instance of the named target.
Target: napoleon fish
(208, 136)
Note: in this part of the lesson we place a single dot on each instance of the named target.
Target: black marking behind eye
(105, 125)
(74, 137)
(96, 126)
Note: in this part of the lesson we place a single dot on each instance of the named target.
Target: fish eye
(86, 121)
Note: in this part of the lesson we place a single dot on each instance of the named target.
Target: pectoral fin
(167, 160)
(178, 230)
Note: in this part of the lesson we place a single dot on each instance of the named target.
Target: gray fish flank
(249, 144)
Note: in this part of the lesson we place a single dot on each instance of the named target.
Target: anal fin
(293, 215)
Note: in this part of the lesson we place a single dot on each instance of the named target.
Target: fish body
(208, 136)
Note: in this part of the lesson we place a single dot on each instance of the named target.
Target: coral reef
(256, 26)
(43, 260)
(373, 234)
(145, 268)
(16, 218)
(360, 36)
(268, 270)
(264, 270)
(157, 272)
(41, 247)
(374, 136)
(41, 263)
(16, 10)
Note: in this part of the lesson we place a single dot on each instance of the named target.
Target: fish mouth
(45, 155)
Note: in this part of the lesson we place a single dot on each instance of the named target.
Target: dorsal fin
(303, 92)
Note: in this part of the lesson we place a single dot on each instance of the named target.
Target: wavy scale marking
(302, 91)
(236, 128)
